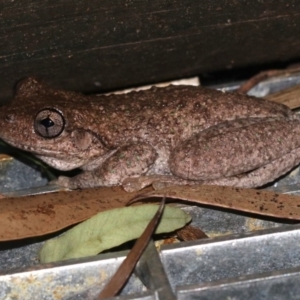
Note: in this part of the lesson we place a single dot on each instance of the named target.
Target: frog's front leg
(239, 147)
(128, 161)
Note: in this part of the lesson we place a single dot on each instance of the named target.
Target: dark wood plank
(103, 45)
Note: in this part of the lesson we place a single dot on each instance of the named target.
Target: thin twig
(262, 76)
(116, 283)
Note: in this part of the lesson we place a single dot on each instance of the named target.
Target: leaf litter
(38, 215)
(110, 229)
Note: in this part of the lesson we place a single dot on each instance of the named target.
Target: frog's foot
(81, 181)
(64, 181)
(158, 182)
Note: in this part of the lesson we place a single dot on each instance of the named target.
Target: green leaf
(110, 229)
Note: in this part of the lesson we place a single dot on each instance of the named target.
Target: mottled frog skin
(172, 135)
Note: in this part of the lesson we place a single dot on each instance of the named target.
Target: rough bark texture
(102, 45)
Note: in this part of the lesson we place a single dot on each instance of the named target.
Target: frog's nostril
(9, 118)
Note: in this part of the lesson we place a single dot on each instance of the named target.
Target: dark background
(93, 46)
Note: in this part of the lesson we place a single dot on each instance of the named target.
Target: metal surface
(269, 285)
(233, 256)
(193, 269)
(152, 274)
(17, 174)
(240, 261)
(274, 85)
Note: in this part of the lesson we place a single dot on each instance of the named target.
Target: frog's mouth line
(62, 164)
(43, 151)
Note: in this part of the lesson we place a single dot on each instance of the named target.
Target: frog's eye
(49, 123)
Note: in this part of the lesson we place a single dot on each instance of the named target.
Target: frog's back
(177, 112)
(207, 105)
(157, 115)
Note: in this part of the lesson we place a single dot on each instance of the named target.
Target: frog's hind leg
(262, 175)
(254, 178)
(238, 147)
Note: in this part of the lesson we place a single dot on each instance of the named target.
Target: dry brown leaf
(260, 202)
(190, 233)
(289, 97)
(5, 157)
(38, 215)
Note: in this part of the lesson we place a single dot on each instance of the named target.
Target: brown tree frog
(173, 135)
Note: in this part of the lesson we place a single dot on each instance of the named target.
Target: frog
(174, 135)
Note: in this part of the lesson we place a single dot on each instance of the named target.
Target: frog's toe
(64, 181)
(134, 184)
(159, 185)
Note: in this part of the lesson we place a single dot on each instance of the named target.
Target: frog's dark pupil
(47, 122)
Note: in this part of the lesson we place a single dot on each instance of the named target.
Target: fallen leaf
(289, 97)
(37, 215)
(115, 284)
(190, 233)
(110, 229)
(259, 202)
(5, 157)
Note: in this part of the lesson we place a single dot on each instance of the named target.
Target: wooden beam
(103, 45)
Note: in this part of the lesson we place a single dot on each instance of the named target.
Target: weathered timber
(103, 45)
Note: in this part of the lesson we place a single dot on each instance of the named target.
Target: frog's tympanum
(172, 135)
